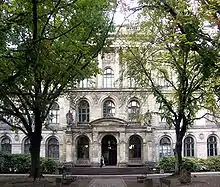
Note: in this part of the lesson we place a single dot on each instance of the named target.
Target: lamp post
(69, 120)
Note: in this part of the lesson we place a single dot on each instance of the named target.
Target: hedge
(21, 163)
(191, 164)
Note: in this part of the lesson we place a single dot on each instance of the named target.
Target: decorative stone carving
(17, 137)
(201, 136)
(122, 96)
(95, 98)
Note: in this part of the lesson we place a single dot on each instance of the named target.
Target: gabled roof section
(108, 121)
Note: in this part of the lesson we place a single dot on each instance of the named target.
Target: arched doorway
(109, 150)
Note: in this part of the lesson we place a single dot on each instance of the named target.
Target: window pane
(83, 148)
(189, 147)
(108, 78)
(27, 146)
(53, 148)
(6, 145)
(133, 110)
(134, 147)
(83, 112)
(212, 146)
(108, 109)
(165, 147)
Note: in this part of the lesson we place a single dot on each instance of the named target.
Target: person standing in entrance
(102, 161)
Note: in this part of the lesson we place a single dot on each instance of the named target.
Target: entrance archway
(109, 150)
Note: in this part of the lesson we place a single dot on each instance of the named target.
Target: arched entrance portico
(109, 150)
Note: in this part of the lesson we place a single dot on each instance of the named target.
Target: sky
(122, 11)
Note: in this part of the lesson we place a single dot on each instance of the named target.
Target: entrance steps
(108, 170)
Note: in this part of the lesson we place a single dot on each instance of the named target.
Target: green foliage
(21, 163)
(213, 163)
(18, 163)
(191, 164)
(49, 166)
(46, 47)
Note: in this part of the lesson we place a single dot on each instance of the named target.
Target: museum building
(99, 118)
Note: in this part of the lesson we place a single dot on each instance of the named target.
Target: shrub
(167, 164)
(49, 166)
(191, 164)
(213, 163)
(21, 163)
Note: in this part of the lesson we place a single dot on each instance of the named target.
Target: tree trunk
(178, 155)
(35, 141)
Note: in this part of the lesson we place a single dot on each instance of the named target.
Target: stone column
(95, 150)
(144, 152)
(122, 162)
(69, 153)
(150, 151)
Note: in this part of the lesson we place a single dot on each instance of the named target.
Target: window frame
(108, 78)
(83, 142)
(6, 147)
(83, 112)
(189, 147)
(132, 116)
(26, 144)
(106, 108)
(53, 116)
(212, 146)
(53, 149)
(165, 147)
(135, 148)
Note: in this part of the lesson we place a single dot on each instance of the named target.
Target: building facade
(99, 118)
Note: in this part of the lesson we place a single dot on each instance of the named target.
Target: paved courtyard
(198, 180)
(109, 182)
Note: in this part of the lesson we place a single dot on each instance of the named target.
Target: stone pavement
(107, 182)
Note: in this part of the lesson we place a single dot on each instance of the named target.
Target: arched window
(53, 148)
(134, 147)
(27, 145)
(189, 147)
(133, 110)
(108, 81)
(108, 108)
(212, 146)
(165, 147)
(83, 111)
(54, 114)
(6, 145)
(83, 148)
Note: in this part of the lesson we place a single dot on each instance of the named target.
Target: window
(54, 114)
(212, 146)
(6, 145)
(83, 148)
(84, 83)
(134, 147)
(132, 82)
(108, 78)
(108, 109)
(165, 147)
(189, 147)
(83, 111)
(133, 110)
(27, 145)
(53, 148)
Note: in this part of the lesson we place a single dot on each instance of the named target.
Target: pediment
(108, 121)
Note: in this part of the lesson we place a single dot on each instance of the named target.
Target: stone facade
(98, 131)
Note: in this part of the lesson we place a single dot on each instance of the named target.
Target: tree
(174, 57)
(46, 47)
